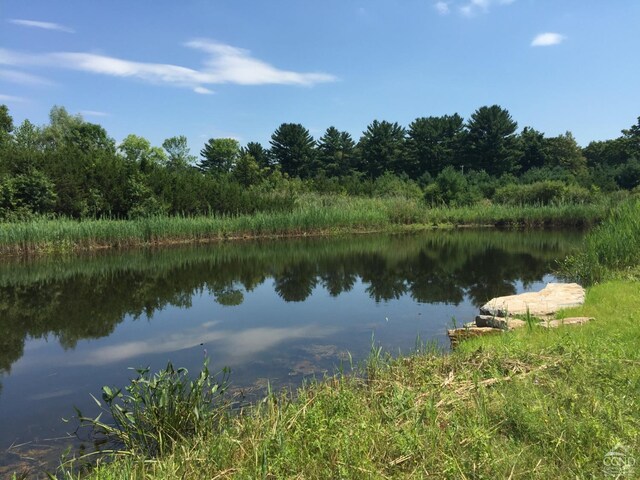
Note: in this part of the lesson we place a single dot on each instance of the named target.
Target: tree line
(72, 167)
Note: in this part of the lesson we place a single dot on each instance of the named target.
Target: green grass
(611, 250)
(528, 404)
(313, 215)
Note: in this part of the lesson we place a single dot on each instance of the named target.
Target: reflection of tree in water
(86, 298)
(294, 283)
(338, 281)
(228, 296)
(385, 279)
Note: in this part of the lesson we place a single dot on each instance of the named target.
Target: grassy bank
(314, 215)
(612, 250)
(528, 404)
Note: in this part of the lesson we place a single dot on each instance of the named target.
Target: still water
(271, 311)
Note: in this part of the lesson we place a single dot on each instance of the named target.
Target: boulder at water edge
(544, 303)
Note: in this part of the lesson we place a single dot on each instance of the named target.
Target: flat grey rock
(544, 303)
(503, 323)
(566, 321)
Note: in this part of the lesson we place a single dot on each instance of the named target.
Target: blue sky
(240, 68)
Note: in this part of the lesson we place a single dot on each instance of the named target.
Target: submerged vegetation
(531, 403)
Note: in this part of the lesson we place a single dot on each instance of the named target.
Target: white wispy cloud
(22, 78)
(547, 39)
(442, 8)
(43, 25)
(472, 7)
(222, 64)
(227, 64)
(11, 98)
(93, 113)
(203, 91)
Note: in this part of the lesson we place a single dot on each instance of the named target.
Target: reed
(313, 215)
(611, 250)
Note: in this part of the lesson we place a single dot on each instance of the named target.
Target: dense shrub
(451, 188)
(542, 193)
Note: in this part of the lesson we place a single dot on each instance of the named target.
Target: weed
(156, 411)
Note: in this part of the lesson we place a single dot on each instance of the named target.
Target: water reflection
(70, 299)
(273, 311)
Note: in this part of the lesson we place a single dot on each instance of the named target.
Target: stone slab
(544, 303)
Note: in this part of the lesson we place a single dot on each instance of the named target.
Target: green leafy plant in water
(156, 410)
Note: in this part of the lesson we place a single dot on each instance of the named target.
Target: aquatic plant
(157, 410)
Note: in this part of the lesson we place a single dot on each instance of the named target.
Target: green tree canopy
(66, 130)
(563, 151)
(138, 150)
(27, 136)
(178, 154)
(247, 171)
(336, 153)
(433, 143)
(631, 140)
(533, 148)
(293, 148)
(219, 155)
(259, 154)
(6, 125)
(491, 143)
(381, 148)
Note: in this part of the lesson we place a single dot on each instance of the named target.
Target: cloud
(222, 64)
(11, 98)
(227, 64)
(202, 91)
(44, 25)
(442, 8)
(93, 113)
(22, 78)
(547, 39)
(472, 7)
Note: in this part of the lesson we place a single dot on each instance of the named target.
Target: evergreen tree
(491, 142)
(219, 155)
(336, 153)
(293, 148)
(382, 149)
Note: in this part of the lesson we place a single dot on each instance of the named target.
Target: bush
(390, 185)
(542, 193)
(451, 188)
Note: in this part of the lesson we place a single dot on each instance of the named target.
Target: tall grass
(612, 249)
(312, 215)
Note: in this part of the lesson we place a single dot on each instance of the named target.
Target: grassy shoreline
(533, 403)
(322, 217)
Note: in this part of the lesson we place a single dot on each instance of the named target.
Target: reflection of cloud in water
(235, 345)
(54, 394)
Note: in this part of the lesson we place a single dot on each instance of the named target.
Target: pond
(272, 311)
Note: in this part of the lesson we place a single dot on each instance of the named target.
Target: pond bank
(42, 236)
(542, 403)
